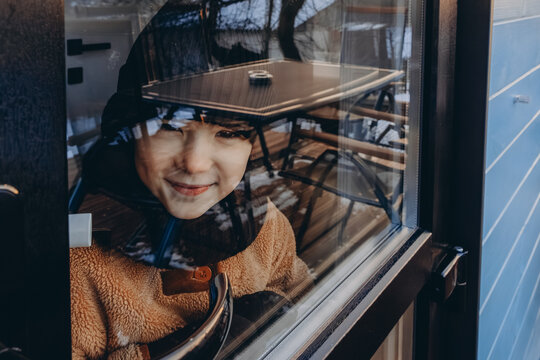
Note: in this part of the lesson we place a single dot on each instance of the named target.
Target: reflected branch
(289, 11)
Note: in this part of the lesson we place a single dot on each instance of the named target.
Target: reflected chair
(376, 36)
(372, 36)
(346, 169)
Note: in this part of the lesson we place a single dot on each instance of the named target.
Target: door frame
(33, 160)
(455, 175)
(454, 120)
(452, 170)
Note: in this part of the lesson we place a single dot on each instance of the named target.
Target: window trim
(399, 256)
(390, 291)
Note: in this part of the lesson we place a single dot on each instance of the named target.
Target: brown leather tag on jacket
(178, 281)
(145, 352)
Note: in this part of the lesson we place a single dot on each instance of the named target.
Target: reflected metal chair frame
(382, 201)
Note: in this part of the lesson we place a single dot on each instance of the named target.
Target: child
(194, 169)
(188, 172)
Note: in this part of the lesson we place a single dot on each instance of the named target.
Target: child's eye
(229, 134)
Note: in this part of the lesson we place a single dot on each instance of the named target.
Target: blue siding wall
(509, 325)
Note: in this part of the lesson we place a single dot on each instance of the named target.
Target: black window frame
(451, 174)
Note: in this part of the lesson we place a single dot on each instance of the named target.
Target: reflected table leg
(292, 120)
(266, 153)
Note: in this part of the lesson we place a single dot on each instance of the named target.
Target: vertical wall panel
(533, 346)
(507, 9)
(509, 174)
(515, 316)
(518, 277)
(502, 239)
(511, 117)
(528, 327)
(510, 271)
(531, 7)
(511, 9)
(514, 51)
(33, 159)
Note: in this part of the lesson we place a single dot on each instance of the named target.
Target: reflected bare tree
(237, 52)
(285, 30)
(268, 28)
(289, 11)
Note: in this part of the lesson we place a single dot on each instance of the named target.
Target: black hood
(177, 41)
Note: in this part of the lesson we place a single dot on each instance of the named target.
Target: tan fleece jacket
(118, 304)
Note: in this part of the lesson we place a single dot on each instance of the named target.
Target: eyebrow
(229, 123)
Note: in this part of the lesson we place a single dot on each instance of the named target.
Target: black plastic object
(208, 339)
(75, 75)
(76, 47)
(11, 353)
(259, 77)
(11, 266)
(450, 274)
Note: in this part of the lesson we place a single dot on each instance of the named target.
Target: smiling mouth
(189, 190)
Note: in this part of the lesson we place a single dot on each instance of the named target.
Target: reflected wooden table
(295, 88)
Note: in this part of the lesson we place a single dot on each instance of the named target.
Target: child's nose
(196, 158)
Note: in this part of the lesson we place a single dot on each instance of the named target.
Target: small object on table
(259, 77)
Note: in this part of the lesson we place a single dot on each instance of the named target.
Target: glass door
(269, 141)
(247, 170)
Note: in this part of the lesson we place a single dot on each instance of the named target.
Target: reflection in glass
(261, 139)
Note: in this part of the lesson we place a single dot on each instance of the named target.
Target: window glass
(233, 155)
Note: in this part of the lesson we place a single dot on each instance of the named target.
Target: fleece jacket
(118, 305)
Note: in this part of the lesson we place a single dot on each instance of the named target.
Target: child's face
(190, 166)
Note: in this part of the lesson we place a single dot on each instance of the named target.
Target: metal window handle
(76, 47)
(11, 353)
(450, 274)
